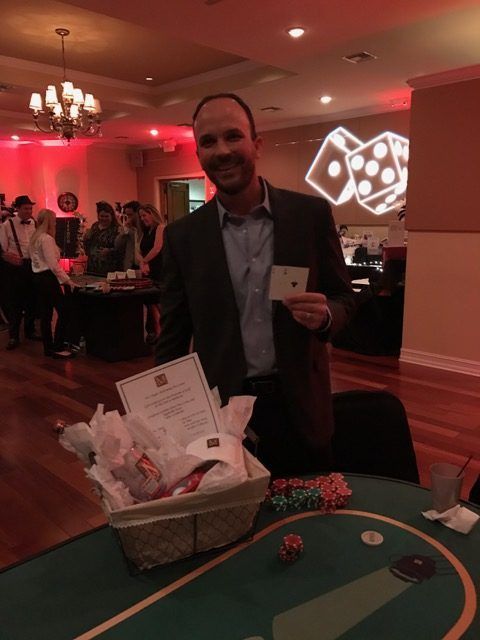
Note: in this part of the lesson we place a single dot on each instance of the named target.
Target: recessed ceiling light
(325, 99)
(296, 32)
(154, 132)
(148, 78)
(16, 138)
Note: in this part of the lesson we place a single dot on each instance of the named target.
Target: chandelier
(73, 114)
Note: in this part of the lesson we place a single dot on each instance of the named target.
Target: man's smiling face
(225, 147)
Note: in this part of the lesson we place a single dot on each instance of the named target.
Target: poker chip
(372, 538)
(279, 503)
(313, 498)
(342, 496)
(291, 548)
(324, 493)
(297, 499)
(294, 484)
(279, 487)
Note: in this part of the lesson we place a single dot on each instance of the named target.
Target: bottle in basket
(142, 477)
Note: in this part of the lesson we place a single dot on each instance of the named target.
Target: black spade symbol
(294, 283)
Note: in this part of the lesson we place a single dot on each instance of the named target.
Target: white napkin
(458, 518)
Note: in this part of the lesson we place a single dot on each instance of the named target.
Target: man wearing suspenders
(15, 234)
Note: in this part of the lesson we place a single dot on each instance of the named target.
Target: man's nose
(222, 148)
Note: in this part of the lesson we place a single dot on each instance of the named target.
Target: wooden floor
(44, 496)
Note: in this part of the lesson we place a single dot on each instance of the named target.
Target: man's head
(227, 142)
(24, 207)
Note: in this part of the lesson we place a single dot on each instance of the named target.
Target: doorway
(181, 196)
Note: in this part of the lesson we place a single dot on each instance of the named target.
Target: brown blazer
(198, 302)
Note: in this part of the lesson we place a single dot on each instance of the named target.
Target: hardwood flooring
(46, 499)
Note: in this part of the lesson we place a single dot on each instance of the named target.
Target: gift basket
(167, 500)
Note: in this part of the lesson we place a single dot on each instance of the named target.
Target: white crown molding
(437, 361)
(445, 77)
(82, 76)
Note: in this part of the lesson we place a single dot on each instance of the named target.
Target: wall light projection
(375, 172)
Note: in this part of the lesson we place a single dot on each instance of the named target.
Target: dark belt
(261, 385)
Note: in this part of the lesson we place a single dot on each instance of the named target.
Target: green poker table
(419, 583)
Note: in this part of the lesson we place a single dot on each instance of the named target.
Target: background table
(339, 588)
(113, 323)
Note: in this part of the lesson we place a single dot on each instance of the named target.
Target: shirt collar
(260, 210)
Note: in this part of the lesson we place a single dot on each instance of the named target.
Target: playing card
(287, 281)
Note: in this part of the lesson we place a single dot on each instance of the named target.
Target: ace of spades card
(287, 281)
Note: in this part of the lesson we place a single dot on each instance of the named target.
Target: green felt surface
(340, 585)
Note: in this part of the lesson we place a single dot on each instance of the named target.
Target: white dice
(328, 173)
(376, 172)
(379, 172)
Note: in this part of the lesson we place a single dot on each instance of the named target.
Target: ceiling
(194, 47)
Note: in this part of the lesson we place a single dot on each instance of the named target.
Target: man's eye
(207, 142)
(234, 137)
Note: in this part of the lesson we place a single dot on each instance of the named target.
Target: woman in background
(99, 241)
(48, 276)
(127, 243)
(153, 224)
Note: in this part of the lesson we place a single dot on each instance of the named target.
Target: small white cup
(446, 485)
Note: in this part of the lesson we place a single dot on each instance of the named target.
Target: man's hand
(309, 309)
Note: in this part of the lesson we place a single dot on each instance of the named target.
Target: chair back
(372, 435)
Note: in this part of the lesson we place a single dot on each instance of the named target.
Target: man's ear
(258, 142)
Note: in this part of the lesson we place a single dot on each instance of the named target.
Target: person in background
(99, 241)
(151, 243)
(15, 235)
(215, 291)
(127, 243)
(48, 277)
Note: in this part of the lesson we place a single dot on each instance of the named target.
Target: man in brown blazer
(216, 273)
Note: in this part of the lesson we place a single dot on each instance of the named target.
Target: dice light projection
(375, 172)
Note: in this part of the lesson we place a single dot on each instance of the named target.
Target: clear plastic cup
(446, 485)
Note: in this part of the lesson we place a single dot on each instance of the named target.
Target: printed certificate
(174, 398)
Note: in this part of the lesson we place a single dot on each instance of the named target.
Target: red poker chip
(295, 483)
(293, 541)
(311, 484)
(279, 487)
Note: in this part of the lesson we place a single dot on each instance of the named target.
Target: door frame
(158, 180)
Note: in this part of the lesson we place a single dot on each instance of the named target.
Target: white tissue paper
(111, 437)
(457, 518)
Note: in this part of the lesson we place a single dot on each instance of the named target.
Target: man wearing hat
(15, 236)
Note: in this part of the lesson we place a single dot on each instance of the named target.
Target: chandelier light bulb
(325, 99)
(67, 92)
(154, 132)
(36, 102)
(78, 96)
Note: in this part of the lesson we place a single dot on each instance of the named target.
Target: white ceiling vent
(363, 56)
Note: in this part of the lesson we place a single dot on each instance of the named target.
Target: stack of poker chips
(291, 548)
(323, 493)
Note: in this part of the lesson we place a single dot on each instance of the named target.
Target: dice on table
(328, 173)
(379, 171)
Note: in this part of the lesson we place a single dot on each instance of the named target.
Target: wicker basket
(165, 530)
